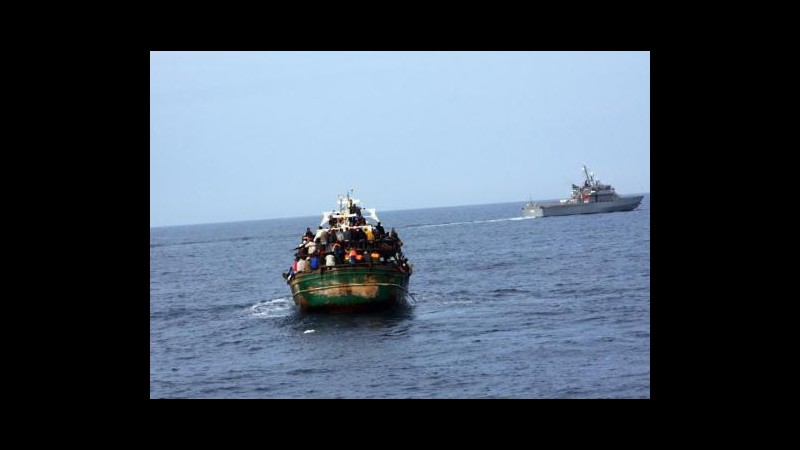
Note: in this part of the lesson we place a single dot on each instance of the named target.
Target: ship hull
(568, 209)
(350, 288)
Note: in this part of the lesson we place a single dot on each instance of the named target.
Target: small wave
(279, 307)
(307, 371)
(207, 241)
(457, 302)
(508, 291)
(175, 244)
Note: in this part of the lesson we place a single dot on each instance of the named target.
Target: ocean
(502, 307)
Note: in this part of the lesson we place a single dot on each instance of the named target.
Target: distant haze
(240, 136)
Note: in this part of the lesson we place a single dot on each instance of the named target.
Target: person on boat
(311, 247)
(406, 266)
(370, 236)
(385, 248)
(292, 269)
(352, 254)
(330, 237)
(330, 260)
(358, 237)
(379, 231)
(289, 275)
(320, 234)
(347, 234)
(313, 262)
(309, 234)
(353, 209)
(351, 218)
(338, 253)
(301, 265)
(395, 240)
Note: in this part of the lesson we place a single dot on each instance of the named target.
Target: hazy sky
(260, 135)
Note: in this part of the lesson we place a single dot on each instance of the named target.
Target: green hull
(349, 288)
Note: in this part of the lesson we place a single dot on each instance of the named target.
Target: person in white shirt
(311, 247)
(321, 234)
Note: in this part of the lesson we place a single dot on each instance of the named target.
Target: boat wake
(279, 307)
(472, 222)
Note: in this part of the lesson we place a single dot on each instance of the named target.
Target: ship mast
(589, 177)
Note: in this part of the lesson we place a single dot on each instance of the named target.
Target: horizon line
(388, 210)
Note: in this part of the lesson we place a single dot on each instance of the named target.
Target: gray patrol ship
(592, 197)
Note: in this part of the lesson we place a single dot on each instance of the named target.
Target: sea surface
(502, 307)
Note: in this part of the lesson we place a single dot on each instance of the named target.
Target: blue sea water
(502, 307)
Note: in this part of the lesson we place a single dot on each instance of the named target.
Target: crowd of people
(347, 241)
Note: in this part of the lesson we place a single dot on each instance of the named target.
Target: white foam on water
(471, 222)
(496, 220)
(278, 307)
(308, 331)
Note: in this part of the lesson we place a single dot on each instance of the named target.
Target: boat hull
(350, 288)
(568, 209)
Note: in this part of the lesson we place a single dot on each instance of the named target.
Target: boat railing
(392, 263)
(381, 244)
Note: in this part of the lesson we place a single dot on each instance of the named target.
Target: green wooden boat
(367, 272)
(349, 289)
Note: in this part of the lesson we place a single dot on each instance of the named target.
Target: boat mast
(589, 178)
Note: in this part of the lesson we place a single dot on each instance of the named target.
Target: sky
(238, 136)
